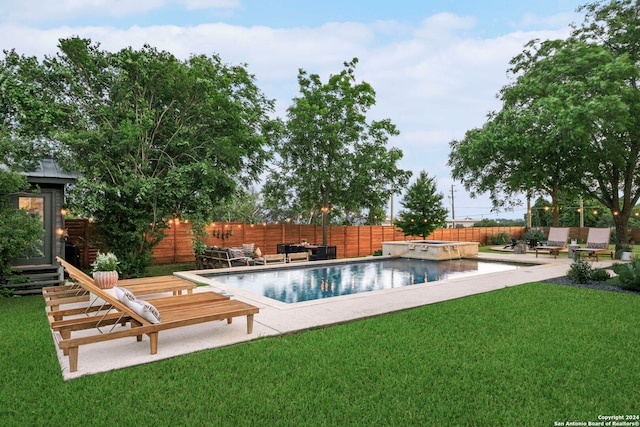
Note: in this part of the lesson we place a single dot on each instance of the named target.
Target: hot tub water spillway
(430, 249)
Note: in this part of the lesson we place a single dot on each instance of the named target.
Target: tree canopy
(333, 160)
(151, 136)
(569, 122)
(423, 209)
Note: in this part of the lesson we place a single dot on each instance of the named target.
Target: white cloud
(442, 26)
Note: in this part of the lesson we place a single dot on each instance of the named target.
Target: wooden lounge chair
(597, 243)
(74, 293)
(175, 312)
(556, 241)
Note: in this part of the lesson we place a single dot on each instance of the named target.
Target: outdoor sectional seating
(135, 318)
(215, 257)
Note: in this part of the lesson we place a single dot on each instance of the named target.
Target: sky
(437, 66)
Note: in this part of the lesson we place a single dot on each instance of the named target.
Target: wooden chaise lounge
(557, 241)
(597, 243)
(74, 293)
(175, 311)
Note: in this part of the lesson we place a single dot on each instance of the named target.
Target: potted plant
(625, 253)
(105, 272)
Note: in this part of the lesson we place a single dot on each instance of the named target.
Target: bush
(600, 275)
(501, 239)
(20, 233)
(534, 234)
(6, 292)
(628, 275)
(580, 271)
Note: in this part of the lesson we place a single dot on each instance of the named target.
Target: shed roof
(49, 172)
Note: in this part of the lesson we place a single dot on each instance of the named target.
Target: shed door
(40, 205)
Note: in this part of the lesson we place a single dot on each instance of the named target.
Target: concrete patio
(276, 318)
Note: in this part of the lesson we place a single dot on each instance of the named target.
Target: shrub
(501, 239)
(580, 271)
(628, 275)
(600, 275)
(534, 234)
(378, 252)
(6, 292)
(20, 233)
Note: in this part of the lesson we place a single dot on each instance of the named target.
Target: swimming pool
(311, 282)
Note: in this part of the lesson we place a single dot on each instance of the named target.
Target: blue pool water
(311, 283)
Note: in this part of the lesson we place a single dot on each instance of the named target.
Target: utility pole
(391, 202)
(581, 212)
(453, 210)
(528, 210)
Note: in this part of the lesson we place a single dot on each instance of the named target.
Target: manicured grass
(168, 269)
(527, 356)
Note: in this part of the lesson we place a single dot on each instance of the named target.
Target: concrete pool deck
(276, 318)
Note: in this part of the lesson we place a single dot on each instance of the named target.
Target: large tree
(152, 137)
(612, 170)
(569, 122)
(333, 158)
(423, 209)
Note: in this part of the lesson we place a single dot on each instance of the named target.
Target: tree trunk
(555, 207)
(325, 212)
(622, 231)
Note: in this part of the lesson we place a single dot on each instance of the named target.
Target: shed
(46, 198)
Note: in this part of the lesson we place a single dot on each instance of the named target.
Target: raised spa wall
(430, 249)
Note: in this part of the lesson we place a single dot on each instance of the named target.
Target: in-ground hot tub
(431, 249)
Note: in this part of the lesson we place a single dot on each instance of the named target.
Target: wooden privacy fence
(350, 241)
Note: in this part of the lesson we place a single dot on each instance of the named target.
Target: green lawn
(530, 355)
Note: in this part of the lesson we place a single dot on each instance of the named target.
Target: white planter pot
(627, 256)
(105, 279)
